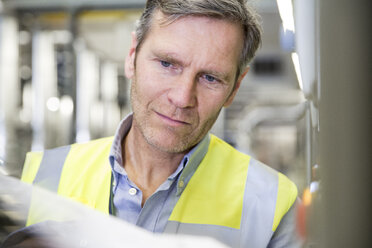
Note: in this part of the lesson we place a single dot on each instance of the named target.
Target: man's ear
(238, 82)
(130, 59)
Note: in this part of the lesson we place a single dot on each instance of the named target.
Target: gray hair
(234, 10)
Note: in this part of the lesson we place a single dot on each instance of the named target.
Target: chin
(170, 144)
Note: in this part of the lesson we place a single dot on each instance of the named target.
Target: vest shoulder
(263, 172)
(34, 159)
(92, 155)
(106, 141)
(100, 142)
(220, 145)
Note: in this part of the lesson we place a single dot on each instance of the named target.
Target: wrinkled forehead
(162, 18)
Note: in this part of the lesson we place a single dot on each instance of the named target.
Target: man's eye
(210, 78)
(165, 63)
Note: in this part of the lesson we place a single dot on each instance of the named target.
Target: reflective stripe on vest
(230, 197)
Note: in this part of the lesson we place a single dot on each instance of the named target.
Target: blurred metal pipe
(10, 88)
(253, 117)
(44, 86)
(72, 27)
(9, 91)
(258, 115)
(308, 144)
(345, 123)
(50, 5)
(87, 85)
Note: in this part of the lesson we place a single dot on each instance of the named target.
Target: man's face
(182, 75)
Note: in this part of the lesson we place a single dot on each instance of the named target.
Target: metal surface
(345, 123)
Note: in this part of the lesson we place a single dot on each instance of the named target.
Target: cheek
(149, 78)
(148, 85)
(209, 105)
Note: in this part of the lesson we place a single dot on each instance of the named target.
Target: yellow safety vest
(230, 196)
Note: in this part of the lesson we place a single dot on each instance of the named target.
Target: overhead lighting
(286, 14)
(53, 104)
(296, 63)
(67, 105)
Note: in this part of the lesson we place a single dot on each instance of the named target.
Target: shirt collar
(192, 160)
(115, 157)
(187, 167)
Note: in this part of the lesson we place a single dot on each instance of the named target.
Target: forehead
(233, 30)
(215, 39)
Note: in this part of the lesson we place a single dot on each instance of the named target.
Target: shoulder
(221, 149)
(35, 158)
(262, 181)
(268, 193)
(106, 141)
(260, 172)
(269, 182)
(265, 176)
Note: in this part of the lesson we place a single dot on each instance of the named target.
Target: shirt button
(181, 184)
(132, 191)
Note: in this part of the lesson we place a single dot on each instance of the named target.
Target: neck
(147, 166)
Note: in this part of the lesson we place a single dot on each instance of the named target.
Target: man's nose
(183, 92)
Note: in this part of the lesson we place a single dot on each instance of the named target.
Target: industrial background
(302, 108)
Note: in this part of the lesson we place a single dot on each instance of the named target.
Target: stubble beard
(183, 143)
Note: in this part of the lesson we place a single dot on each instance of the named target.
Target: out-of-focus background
(302, 108)
(62, 81)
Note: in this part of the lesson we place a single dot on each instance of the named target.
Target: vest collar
(194, 157)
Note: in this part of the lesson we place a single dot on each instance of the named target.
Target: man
(162, 171)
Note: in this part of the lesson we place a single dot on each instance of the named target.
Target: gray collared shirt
(127, 197)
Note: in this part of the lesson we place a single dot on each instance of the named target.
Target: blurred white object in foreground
(85, 227)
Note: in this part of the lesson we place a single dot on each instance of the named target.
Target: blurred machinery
(61, 73)
(62, 81)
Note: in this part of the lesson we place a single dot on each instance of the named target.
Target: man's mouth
(172, 121)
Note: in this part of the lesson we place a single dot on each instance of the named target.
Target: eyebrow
(169, 57)
(172, 58)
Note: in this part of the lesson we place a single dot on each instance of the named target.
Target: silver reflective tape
(259, 205)
(226, 235)
(50, 170)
